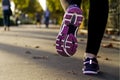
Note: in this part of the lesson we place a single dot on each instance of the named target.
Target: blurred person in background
(47, 17)
(6, 14)
(38, 19)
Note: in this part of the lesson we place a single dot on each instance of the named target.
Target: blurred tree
(56, 10)
(31, 10)
(85, 8)
(32, 6)
(29, 7)
(21, 4)
(0, 9)
(114, 16)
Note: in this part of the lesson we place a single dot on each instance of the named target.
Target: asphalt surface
(28, 52)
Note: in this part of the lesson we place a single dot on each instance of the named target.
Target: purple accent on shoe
(67, 22)
(64, 31)
(66, 42)
(71, 44)
(79, 18)
(75, 10)
(68, 16)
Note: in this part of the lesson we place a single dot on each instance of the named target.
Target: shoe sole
(66, 42)
(90, 72)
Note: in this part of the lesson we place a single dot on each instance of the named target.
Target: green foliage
(56, 10)
(85, 8)
(21, 4)
(32, 8)
(28, 6)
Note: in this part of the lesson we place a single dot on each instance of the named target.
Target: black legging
(98, 15)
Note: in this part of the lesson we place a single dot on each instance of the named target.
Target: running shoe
(90, 66)
(66, 41)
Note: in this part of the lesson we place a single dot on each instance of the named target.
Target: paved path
(28, 53)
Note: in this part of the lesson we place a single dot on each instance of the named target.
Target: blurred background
(24, 12)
